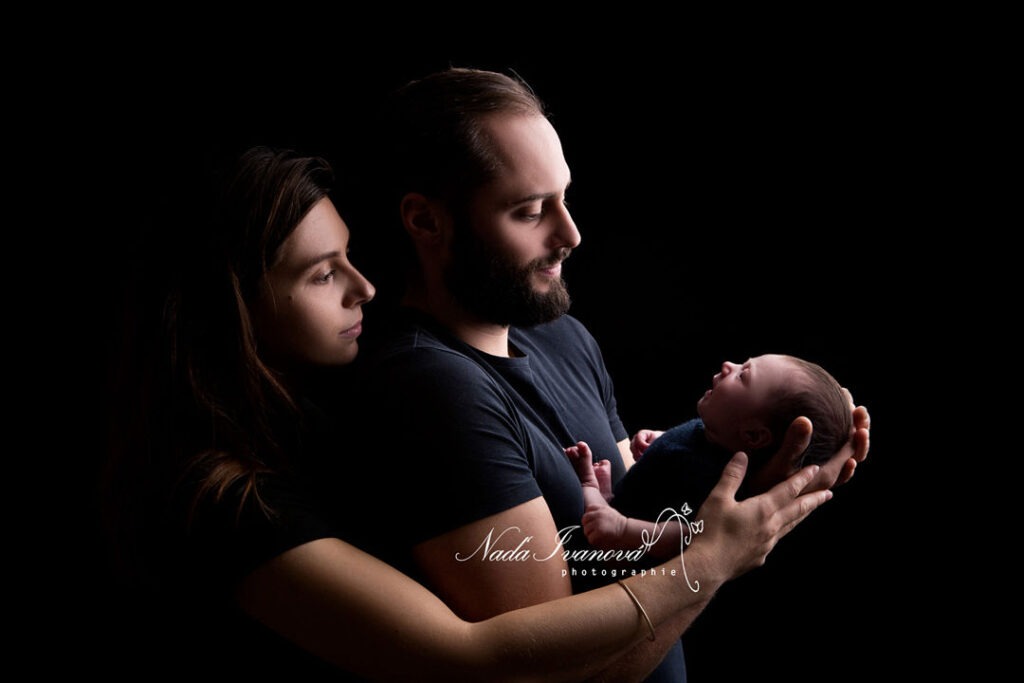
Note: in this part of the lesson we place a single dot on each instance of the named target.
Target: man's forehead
(528, 155)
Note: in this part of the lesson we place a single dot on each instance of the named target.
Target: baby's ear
(757, 437)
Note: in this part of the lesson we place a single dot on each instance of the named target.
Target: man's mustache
(559, 256)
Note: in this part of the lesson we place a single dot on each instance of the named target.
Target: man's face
(509, 244)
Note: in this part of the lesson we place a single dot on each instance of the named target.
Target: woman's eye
(324, 278)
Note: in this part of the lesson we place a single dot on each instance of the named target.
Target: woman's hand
(738, 536)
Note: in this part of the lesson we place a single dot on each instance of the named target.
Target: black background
(732, 202)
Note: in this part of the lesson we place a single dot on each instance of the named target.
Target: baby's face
(733, 409)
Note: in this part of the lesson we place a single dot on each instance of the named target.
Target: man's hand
(641, 440)
(840, 467)
(860, 440)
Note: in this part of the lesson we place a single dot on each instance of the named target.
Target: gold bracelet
(640, 607)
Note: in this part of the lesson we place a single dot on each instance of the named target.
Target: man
(484, 380)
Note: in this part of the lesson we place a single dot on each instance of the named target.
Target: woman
(243, 548)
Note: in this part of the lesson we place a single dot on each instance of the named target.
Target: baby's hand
(641, 441)
(604, 526)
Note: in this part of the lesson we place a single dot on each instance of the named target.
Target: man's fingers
(784, 492)
(732, 476)
(797, 511)
(797, 438)
(861, 418)
(846, 474)
(861, 444)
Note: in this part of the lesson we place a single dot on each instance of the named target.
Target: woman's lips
(354, 331)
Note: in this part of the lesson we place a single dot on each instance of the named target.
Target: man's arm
(498, 563)
(627, 454)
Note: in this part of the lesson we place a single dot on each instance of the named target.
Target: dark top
(453, 435)
(185, 620)
(201, 628)
(679, 467)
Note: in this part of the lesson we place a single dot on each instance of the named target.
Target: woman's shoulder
(233, 528)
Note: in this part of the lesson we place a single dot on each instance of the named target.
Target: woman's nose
(361, 291)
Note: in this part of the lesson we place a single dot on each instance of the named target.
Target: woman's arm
(355, 611)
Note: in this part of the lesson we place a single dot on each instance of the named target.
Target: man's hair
(438, 145)
(818, 397)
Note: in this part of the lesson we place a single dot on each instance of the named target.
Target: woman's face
(309, 310)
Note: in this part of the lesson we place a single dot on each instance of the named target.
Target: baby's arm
(605, 527)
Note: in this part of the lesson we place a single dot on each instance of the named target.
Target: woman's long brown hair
(202, 410)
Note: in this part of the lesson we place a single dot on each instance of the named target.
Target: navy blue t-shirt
(453, 435)
(456, 435)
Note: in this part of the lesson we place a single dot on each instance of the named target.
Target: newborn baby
(748, 408)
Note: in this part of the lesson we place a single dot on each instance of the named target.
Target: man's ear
(424, 219)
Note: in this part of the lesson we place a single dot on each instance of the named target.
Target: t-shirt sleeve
(612, 409)
(228, 539)
(604, 382)
(448, 428)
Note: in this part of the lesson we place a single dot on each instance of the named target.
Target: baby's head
(749, 407)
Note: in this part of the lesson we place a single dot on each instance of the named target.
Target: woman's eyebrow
(309, 263)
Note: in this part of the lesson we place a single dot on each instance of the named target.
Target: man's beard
(490, 287)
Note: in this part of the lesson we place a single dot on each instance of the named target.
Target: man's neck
(442, 307)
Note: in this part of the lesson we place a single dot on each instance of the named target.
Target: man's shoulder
(559, 332)
(416, 350)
